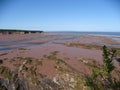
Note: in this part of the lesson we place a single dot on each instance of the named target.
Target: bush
(108, 56)
(102, 79)
(1, 61)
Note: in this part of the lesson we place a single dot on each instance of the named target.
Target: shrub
(108, 56)
(102, 78)
(1, 61)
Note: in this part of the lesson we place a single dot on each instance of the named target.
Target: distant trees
(13, 31)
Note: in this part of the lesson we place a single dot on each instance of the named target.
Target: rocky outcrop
(18, 84)
(59, 82)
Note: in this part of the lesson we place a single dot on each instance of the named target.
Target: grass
(17, 64)
(28, 69)
(90, 46)
(91, 63)
(52, 56)
(29, 60)
(39, 62)
(93, 46)
(60, 63)
(5, 72)
(87, 46)
(102, 79)
(12, 60)
(23, 49)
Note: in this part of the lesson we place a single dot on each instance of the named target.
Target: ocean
(89, 33)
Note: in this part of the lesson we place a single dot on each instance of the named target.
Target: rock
(65, 81)
(48, 84)
(59, 82)
(19, 84)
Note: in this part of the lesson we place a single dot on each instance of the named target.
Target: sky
(61, 15)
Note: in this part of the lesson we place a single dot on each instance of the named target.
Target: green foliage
(17, 64)
(29, 60)
(102, 78)
(52, 56)
(95, 74)
(39, 62)
(87, 46)
(91, 83)
(5, 72)
(60, 61)
(108, 56)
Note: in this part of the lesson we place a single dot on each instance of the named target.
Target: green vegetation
(22, 49)
(39, 62)
(61, 65)
(17, 64)
(5, 72)
(90, 46)
(60, 61)
(91, 63)
(102, 79)
(108, 56)
(29, 60)
(52, 56)
(87, 46)
(1, 61)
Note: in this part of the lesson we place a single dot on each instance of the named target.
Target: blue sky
(60, 15)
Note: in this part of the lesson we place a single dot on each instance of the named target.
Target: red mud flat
(90, 39)
(72, 54)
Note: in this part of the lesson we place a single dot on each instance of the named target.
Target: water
(13, 44)
(8, 45)
(114, 35)
(117, 34)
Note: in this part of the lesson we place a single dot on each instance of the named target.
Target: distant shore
(13, 31)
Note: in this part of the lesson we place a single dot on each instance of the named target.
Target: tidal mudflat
(53, 60)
